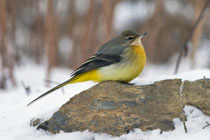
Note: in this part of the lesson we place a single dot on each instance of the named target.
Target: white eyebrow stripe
(129, 36)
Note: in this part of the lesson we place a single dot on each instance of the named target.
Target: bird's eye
(130, 38)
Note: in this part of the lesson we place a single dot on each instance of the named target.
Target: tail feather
(51, 90)
(86, 76)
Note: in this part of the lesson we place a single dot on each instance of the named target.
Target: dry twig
(27, 88)
(184, 48)
(207, 125)
(182, 116)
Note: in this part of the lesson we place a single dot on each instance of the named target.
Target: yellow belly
(126, 70)
(92, 75)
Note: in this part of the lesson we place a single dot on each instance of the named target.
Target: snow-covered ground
(15, 116)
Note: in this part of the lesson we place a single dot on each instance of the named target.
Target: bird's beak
(137, 41)
(141, 35)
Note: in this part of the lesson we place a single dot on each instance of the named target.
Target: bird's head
(129, 37)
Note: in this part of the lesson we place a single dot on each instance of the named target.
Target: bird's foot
(132, 84)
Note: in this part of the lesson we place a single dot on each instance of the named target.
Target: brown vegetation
(44, 28)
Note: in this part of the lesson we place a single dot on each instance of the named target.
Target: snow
(15, 117)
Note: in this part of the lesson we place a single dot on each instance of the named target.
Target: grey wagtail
(120, 59)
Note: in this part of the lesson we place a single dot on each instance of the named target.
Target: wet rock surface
(116, 108)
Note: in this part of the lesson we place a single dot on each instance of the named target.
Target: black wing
(97, 61)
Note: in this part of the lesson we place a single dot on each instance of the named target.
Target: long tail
(86, 76)
(51, 90)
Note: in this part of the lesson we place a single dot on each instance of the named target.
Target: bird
(121, 59)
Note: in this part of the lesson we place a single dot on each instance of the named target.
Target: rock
(197, 93)
(35, 121)
(117, 108)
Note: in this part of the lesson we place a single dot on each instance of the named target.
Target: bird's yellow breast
(126, 70)
(130, 67)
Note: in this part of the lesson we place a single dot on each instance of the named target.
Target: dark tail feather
(49, 91)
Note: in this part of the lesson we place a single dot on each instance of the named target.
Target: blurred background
(63, 33)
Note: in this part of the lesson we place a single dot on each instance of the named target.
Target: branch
(207, 125)
(185, 45)
(182, 107)
(27, 88)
